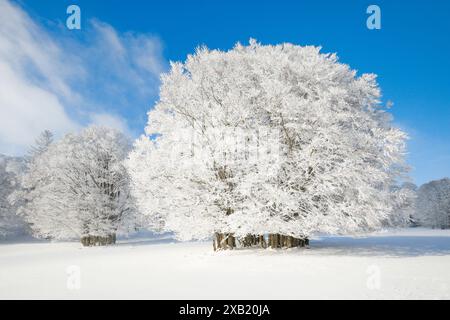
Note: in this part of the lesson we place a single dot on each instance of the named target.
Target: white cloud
(28, 57)
(61, 82)
(110, 121)
(25, 110)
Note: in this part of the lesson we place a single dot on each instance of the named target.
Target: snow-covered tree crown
(78, 186)
(329, 150)
(10, 172)
(433, 204)
(43, 141)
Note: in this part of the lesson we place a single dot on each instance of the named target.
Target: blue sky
(410, 54)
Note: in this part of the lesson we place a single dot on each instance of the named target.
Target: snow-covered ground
(413, 263)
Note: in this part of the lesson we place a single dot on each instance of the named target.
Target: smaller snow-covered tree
(78, 187)
(42, 142)
(11, 169)
(31, 180)
(404, 205)
(433, 204)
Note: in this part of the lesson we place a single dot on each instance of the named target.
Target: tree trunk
(274, 240)
(223, 241)
(252, 240)
(262, 242)
(91, 241)
(282, 241)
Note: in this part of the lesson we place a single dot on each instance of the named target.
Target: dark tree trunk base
(282, 241)
(252, 240)
(227, 241)
(92, 241)
(224, 241)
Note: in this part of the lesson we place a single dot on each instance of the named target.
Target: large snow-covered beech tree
(433, 204)
(280, 140)
(78, 187)
(11, 223)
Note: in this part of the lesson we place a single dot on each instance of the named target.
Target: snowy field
(402, 264)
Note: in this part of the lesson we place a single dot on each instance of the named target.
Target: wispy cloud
(111, 121)
(62, 80)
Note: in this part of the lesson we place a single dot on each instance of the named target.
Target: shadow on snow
(391, 246)
(396, 245)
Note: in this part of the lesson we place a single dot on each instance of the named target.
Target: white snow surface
(394, 264)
